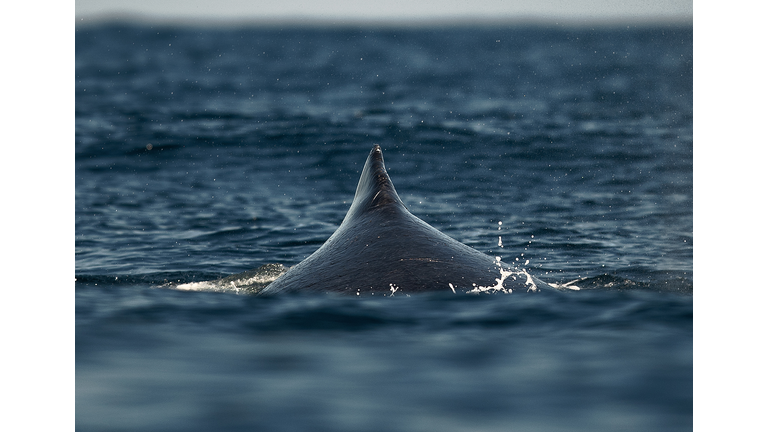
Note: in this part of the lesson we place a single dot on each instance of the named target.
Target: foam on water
(249, 282)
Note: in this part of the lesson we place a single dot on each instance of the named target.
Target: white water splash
(503, 275)
(235, 286)
(196, 286)
(569, 285)
(241, 283)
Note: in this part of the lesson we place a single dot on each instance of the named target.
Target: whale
(381, 248)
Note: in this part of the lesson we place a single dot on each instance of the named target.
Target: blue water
(206, 152)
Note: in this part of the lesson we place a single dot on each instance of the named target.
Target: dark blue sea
(205, 152)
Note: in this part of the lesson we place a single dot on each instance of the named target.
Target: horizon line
(427, 22)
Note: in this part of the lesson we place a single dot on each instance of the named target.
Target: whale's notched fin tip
(375, 188)
(376, 157)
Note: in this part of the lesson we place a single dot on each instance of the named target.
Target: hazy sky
(391, 10)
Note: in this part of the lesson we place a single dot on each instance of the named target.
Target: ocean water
(208, 152)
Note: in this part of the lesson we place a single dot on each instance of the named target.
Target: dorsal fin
(381, 248)
(375, 189)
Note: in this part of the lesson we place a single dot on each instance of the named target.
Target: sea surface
(205, 152)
